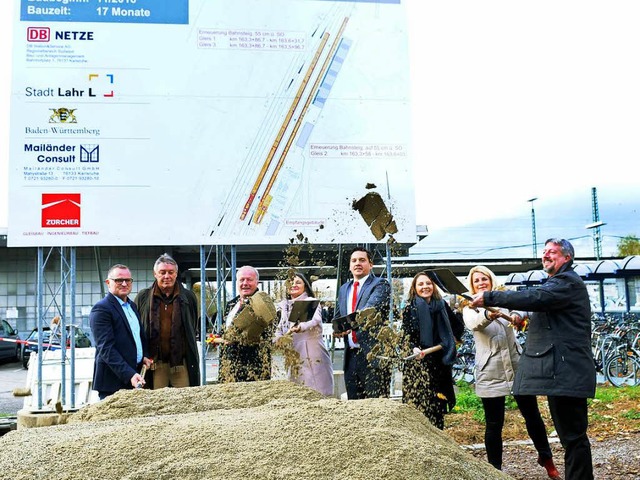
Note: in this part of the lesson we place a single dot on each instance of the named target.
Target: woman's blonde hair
(484, 270)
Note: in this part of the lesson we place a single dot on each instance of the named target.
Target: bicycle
(464, 364)
(623, 367)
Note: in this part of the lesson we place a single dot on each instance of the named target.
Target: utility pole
(534, 243)
(595, 226)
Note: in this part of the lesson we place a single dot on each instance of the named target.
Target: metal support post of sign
(234, 268)
(225, 268)
(40, 309)
(219, 286)
(392, 383)
(62, 325)
(338, 284)
(72, 292)
(390, 280)
(203, 316)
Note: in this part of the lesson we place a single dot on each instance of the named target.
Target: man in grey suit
(363, 378)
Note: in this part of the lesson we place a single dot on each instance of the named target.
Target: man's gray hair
(165, 258)
(565, 246)
(249, 267)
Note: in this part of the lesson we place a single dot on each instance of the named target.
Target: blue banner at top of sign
(106, 11)
(397, 2)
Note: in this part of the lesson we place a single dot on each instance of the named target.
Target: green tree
(629, 245)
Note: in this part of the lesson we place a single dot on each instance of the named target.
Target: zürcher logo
(60, 210)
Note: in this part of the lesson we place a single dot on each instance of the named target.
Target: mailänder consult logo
(60, 210)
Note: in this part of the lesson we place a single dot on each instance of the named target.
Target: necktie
(354, 300)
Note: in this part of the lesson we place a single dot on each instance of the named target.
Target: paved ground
(12, 375)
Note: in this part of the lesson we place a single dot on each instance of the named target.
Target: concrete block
(339, 388)
(27, 419)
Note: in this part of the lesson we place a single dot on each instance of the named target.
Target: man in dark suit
(119, 337)
(363, 378)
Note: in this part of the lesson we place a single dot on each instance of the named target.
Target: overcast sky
(511, 100)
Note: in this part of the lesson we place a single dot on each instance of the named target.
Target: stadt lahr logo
(60, 210)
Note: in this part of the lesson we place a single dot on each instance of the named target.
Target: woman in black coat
(427, 383)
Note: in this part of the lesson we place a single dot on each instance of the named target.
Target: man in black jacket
(169, 314)
(557, 359)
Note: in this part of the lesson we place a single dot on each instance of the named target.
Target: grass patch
(632, 414)
(466, 399)
(468, 402)
(611, 412)
(609, 394)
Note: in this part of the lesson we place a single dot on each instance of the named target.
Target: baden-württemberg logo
(63, 115)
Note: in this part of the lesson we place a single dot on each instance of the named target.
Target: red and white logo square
(38, 34)
(60, 210)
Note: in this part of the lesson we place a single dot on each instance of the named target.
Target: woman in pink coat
(316, 370)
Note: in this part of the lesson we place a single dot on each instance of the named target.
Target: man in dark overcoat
(557, 360)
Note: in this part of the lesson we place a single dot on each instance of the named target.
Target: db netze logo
(60, 210)
(38, 34)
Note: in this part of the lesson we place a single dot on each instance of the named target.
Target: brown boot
(552, 471)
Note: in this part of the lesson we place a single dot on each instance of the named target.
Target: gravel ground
(615, 458)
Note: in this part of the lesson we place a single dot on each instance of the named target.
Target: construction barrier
(52, 381)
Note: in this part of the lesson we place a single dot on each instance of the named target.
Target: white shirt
(233, 312)
(350, 293)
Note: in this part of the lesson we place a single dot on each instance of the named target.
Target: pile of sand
(269, 430)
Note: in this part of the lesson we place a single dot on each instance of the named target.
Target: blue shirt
(134, 323)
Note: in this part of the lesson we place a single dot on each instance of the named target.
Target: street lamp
(533, 227)
(597, 241)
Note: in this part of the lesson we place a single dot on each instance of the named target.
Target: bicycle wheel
(462, 369)
(457, 369)
(623, 369)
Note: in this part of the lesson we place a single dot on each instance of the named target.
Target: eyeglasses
(121, 281)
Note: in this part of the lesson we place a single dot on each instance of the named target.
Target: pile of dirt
(273, 429)
(175, 401)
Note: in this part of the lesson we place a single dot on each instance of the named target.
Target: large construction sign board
(198, 122)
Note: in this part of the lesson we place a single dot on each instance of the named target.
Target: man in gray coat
(557, 360)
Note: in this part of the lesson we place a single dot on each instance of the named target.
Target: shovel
(447, 281)
(143, 371)
(413, 356)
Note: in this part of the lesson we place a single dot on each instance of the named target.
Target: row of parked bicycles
(615, 342)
